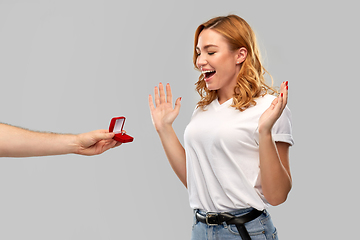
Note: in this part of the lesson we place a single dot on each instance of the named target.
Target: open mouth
(208, 74)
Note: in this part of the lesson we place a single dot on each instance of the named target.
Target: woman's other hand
(271, 115)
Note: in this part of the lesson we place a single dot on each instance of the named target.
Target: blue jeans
(260, 228)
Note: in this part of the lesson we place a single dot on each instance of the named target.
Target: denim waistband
(235, 212)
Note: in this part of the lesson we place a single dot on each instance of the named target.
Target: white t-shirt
(222, 155)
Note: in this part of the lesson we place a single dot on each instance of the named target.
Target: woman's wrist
(164, 128)
(263, 134)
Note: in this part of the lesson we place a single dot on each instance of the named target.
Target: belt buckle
(211, 214)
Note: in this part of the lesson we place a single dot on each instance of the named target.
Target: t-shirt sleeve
(282, 129)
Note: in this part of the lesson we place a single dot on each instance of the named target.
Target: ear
(241, 54)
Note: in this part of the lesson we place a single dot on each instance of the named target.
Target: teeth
(207, 71)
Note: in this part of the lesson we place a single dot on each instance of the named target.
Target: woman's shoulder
(263, 103)
(265, 100)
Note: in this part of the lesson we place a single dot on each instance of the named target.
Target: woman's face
(217, 62)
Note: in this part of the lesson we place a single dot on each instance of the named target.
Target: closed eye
(209, 53)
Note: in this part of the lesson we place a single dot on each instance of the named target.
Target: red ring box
(116, 126)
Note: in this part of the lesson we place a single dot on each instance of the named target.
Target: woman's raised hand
(163, 113)
(271, 115)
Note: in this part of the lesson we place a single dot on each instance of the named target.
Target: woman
(236, 157)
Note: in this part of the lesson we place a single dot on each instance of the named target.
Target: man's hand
(95, 142)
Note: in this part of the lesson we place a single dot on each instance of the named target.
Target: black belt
(213, 219)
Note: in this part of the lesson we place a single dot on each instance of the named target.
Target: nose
(201, 61)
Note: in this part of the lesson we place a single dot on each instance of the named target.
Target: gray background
(70, 66)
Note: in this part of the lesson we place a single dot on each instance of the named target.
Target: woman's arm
(163, 115)
(19, 142)
(275, 170)
(274, 157)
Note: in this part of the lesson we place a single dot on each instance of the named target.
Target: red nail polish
(281, 95)
(286, 83)
(287, 87)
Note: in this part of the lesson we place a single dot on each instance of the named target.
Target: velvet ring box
(116, 126)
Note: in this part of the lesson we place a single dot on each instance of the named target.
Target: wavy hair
(250, 80)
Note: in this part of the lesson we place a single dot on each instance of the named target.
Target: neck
(221, 101)
(225, 94)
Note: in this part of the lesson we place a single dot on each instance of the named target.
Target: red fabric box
(116, 126)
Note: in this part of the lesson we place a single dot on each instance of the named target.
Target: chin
(211, 87)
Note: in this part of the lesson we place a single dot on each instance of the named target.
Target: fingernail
(180, 98)
(286, 83)
(281, 94)
(287, 87)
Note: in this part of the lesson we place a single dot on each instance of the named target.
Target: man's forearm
(18, 142)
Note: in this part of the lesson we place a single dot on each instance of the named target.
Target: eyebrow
(207, 46)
